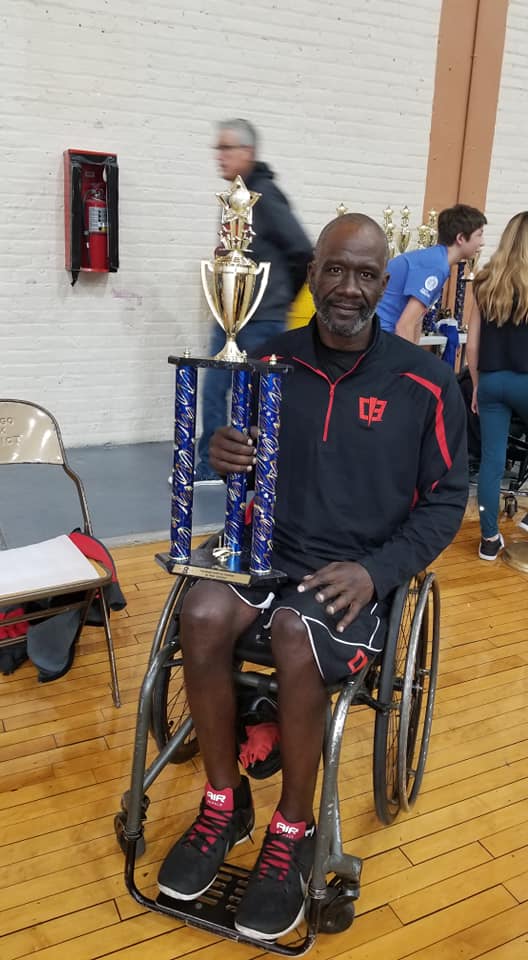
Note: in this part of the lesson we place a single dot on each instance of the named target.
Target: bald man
(372, 485)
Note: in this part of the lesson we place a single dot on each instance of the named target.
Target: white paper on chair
(44, 565)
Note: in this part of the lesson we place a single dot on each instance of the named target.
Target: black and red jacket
(372, 467)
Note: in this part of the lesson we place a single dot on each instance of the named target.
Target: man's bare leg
(212, 619)
(302, 709)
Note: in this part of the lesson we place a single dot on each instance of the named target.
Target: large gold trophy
(234, 274)
(232, 301)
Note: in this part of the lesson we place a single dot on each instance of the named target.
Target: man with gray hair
(279, 239)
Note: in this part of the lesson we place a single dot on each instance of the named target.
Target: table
(437, 341)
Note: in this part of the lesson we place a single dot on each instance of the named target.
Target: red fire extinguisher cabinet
(91, 223)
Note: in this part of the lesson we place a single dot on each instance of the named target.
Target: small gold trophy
(405, 231)
(432, 223)
(234, 273)
(388, 229)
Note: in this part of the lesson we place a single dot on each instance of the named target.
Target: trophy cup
(234, 274)
(232, 304)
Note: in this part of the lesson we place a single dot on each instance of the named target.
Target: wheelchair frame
(401, 689)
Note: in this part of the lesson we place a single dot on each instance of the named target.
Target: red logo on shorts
(358, 661)
(371, 409)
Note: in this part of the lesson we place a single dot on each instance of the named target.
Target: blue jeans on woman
(500, 394)
(217, 383)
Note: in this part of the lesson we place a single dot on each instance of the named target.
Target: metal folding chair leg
(111, 653)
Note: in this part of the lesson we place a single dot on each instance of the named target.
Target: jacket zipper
(332, 387)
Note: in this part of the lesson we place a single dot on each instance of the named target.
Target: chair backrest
(29, 434)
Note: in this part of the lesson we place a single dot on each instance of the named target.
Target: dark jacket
(280, 240)
(372, 467)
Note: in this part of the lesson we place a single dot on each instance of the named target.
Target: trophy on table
(232, 301)
(397, 239)
(404, 236)
(471, 265)
(388, 229)
(465, 275)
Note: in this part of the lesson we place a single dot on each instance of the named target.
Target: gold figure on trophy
(234, 273)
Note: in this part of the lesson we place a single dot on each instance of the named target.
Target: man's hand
(231, 451)
(347, 585)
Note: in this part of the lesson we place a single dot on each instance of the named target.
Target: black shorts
(337, 655)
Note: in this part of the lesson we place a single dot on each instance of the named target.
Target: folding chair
(57, 569)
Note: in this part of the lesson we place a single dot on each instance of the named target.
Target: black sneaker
(490, 549)
(523, 523)
(273, 902)
(226, 818)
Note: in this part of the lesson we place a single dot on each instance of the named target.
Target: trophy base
(516, 555)
(232, 570)
(230, 353)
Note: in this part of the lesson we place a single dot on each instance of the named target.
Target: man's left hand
(348, 586)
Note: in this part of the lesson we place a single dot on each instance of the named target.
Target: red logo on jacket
(371, 409)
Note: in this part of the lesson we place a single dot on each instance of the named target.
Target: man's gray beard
(346, 329)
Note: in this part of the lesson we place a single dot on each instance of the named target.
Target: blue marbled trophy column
(460, 294)
(237, 482)
(265, 473)
(183, 464)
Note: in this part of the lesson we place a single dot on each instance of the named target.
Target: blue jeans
(217, 384)
(499, 395)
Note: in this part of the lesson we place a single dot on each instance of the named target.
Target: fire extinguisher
(96, 228)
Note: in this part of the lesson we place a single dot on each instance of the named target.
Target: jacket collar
(304, 347)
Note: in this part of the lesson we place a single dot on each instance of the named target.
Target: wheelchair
(400, 687)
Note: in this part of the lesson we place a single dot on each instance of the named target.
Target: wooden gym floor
(448, 881)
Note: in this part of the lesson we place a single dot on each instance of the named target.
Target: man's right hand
(231, 451)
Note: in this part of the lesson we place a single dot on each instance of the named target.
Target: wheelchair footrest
(214, 909)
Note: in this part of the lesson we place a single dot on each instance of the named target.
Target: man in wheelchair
(372, 485)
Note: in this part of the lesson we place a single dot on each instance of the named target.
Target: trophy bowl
(231, 297)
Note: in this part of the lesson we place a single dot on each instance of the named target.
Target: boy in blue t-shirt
(416, 279)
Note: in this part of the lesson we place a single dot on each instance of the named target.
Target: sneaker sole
(483, 556)
(269, 937)
(176, 895)
(523, 526)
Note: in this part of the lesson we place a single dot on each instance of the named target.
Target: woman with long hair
(497, 353)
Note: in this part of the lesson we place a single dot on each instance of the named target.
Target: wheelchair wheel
(169, 700)
(407, 685)
(419, 689)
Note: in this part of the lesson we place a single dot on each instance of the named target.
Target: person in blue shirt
(416, 278)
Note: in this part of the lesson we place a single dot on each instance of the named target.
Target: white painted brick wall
(508, 183)
(341, 93)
